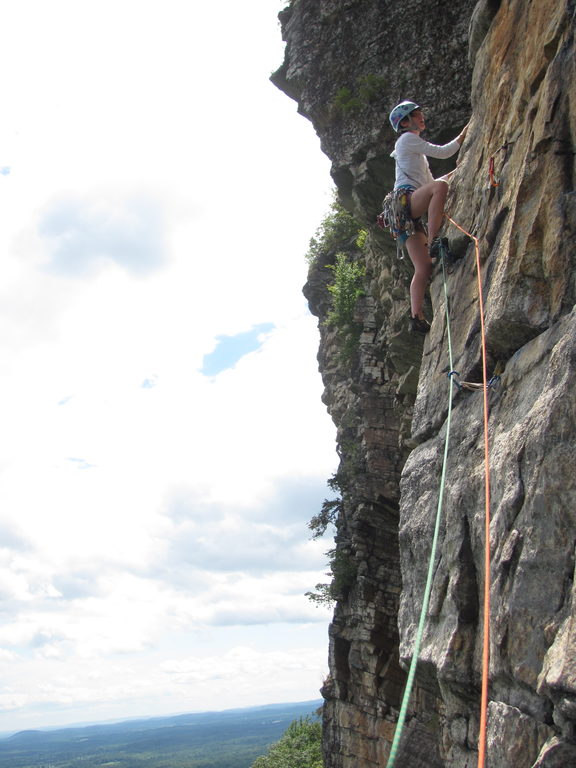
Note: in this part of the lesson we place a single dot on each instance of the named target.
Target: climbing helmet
(400, 111)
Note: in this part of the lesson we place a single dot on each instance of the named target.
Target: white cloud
(161, 194)
(82, 235)
(171, 684)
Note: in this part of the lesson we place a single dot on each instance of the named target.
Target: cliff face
(510, 65)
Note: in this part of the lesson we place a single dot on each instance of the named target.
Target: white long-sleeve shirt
(410, 155)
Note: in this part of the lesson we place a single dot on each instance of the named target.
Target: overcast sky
(163, 443)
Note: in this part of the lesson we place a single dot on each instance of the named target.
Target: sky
(163, 442)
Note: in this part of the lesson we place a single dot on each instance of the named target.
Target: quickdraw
(491, 164)
(473, 385)
(493, 181)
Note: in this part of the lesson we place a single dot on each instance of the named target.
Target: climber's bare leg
(418, 252)
(430, 198)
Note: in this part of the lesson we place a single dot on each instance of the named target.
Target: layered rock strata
(510, 65)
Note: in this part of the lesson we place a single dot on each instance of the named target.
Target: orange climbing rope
(486, 641)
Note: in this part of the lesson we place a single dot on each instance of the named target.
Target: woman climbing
(415, 193)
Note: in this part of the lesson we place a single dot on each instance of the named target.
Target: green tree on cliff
(339, 231)
(299, 747)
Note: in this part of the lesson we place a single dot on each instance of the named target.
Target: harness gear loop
(397, 218)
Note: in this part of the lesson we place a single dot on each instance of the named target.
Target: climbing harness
(485, 386)
(396, 217)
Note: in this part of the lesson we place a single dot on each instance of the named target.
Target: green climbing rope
(428, 588)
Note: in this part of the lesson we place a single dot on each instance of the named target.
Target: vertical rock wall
(347, 63)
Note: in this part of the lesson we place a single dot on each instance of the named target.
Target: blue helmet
(400, 112)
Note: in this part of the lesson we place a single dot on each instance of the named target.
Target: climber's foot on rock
(419, 325)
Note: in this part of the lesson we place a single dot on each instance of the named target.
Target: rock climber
(415, 193)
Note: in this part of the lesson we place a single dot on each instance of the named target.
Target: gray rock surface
(390, 403)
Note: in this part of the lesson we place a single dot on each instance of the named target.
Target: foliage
(299, 747)
(345, 291)
(361, 240)
(232, 739)
(343, 571)
(345, 103)
(339, 232)
(327, 516)
(369, 86)
(348, 101)
(338, 229)
(342, 568)
(330, 509)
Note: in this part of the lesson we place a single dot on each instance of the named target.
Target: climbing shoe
(439, 248)
(419, 325)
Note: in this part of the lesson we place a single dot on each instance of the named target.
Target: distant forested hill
(229, 739)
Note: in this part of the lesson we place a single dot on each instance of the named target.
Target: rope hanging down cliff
(432, 561)
(486, 634)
